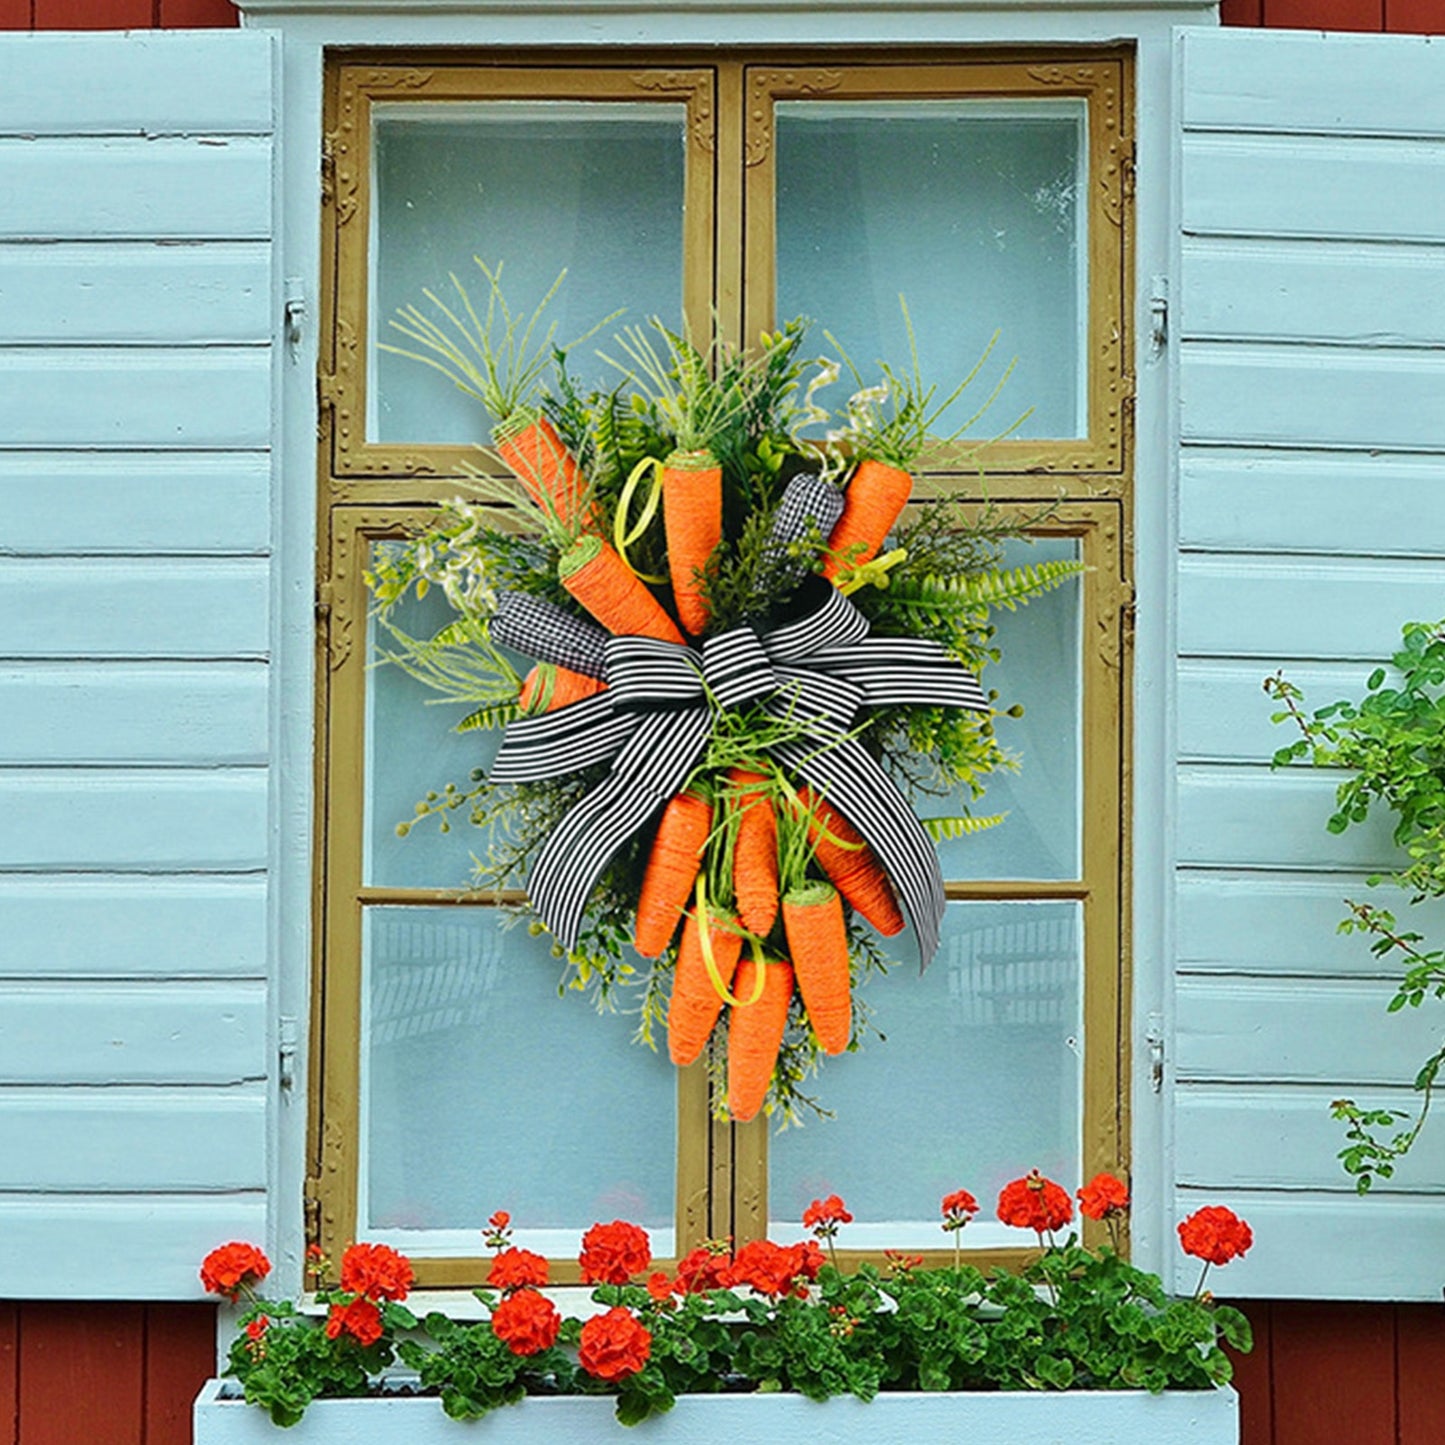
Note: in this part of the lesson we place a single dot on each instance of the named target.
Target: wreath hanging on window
(750, 661)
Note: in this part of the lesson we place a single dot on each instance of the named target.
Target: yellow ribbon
(622, 538)
(710, 963)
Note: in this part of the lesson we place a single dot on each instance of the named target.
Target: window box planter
(1082, 1417)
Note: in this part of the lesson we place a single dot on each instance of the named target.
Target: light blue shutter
(1310, 317)
(136, 312)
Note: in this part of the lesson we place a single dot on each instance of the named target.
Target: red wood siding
(102, 1374)
(115, 14)
(1368, 1374)
(1419, 17)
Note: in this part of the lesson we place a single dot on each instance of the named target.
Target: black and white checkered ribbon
(655, 718)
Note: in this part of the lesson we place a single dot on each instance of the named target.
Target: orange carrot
(548, 687)
(818, 941)
(873, 502)
(671, 871)
(692, 521)
(538, 457)
(755, 853)
(849, 862)
(755, 1032)
(608, 588)
(695, 1005)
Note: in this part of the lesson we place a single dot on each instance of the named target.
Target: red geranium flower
(704, 1269)
(1035, 1203)
(613, 1253)
(517, 1269)
(958, 1208)
(226, 1269)
(360, 1319)
(659, 1287)
(500, 1220)
(776, 1269)
(823, 1216)
(256, 1329)
(614, 1345)
(1216, 1234)
(1104, 1197)
(376, 1271)
(526, 1322)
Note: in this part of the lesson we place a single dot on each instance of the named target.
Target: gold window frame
(371, 490)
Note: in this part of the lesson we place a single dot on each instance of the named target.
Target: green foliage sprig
(1391, 745)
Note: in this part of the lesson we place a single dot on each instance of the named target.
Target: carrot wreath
(693, 1010)
(548, 687)
(874, 501)
(692, 522)
(609, 589)
(755, 1032)
(818, 942)
(671, 871)
(849, 862)
(755, 851)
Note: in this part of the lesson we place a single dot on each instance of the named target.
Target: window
(994, 192)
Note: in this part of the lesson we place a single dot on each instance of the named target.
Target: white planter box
(1207, 1417)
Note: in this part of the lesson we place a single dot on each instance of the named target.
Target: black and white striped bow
(655, 718)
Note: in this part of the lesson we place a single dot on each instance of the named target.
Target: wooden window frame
(370, 490)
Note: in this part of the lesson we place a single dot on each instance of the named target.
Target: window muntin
(728, 265)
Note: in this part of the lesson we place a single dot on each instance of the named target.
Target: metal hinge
(1158, 313)
(286, 1051)
(294, 311)
(1154, 1040)
(326, 390)
(1129, 171)
(325, 597)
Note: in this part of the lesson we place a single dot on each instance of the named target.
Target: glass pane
(412, 750)
(974, 211)
(1040, 669)
(978, 1081)
(535, 185)
(483, 1090)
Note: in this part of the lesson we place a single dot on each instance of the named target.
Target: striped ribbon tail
(651, 768)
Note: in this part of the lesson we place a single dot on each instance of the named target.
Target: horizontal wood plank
(142, 821)
(156, 83)
(75, 926)
(136, 398)
(131, 1140)
(130, 1249)
(1331, 1246)
(1236, 817)
(185, 188)
(1224, 713)
(141, 1033)
(129, 502)
(1345, 503)
(1335, 1032)
(135, 293)
(1350, 84)
(1307, 187)
(1284, 1138)
(115, 713)
(1312, 291)
(134, 608)
(1285, 923)
(1255, 395)
(1305, 609)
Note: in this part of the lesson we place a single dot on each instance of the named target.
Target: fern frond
(937, 597)
(942, 829)
(489, 717)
